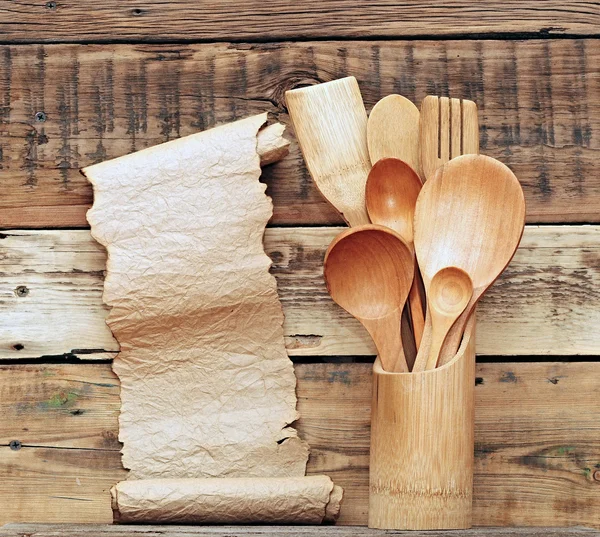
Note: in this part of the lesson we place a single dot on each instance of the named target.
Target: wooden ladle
(450, 291)
(469, 215)
(391, 195)
(369, 270)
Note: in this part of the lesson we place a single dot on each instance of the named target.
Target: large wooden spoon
(469, 215)
(330, 121)
(369, 271)
(393, 131)
(391, 195)
(450, 291)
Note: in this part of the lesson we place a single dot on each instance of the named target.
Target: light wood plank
(539, 110)
(153, 20)
(547, 302)
(537, 455)
(66, 530)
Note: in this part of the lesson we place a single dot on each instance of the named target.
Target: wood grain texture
(63, 107)
(73, 530)
(537, 456)
(546, 303)
(152, 20)
(422, 440)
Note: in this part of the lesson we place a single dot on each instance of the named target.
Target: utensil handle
(454, 337)
(417, 311)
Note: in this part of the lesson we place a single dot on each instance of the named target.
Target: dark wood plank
(537, 456)
(66, 106)
(153, 20)
(66, 530)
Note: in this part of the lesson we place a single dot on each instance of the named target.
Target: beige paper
(207, 389)
(270, 500)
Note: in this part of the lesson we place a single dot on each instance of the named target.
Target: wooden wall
(81, 82)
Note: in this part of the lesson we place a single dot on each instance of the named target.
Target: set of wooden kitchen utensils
(433, 224)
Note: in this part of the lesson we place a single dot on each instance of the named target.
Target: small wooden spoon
(469, 215)
(393, 131)
(330, 121)
(368, 271)
(391, 194)
(450, 291)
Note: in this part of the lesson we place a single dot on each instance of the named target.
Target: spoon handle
(454, 337)
(417, 311)
(385, 332)
(423, 353)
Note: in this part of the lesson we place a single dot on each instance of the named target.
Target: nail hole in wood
(137, 12)
(15, 445)
(40, 117)
(18, 347)
(21, 291)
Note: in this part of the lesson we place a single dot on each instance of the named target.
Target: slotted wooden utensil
(449, 128)
(369, 271)
(469, 215)
(330, 122)
(393, 131)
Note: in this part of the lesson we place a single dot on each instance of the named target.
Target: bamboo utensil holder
(421, 470)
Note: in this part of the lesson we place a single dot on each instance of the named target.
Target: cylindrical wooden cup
(421, 470)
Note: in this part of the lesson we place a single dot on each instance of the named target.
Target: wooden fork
(449, 128)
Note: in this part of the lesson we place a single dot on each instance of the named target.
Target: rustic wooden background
(82, 81)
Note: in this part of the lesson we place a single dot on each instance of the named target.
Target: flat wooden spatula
(449, 128)
(330, 122)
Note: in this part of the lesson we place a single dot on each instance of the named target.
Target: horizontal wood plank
(63, 107)
(72, 530)
(153, 20)
(546, 303)
(537, 456)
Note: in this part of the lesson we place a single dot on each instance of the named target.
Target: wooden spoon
(449, 128)
(368, 271)
(330, 121)
(469, 215)
(393, 131)
(391, 195)
(450, 291)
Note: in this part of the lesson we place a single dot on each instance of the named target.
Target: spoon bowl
(368, 270)
(449, 294)
(469, 215)
(391, 195)
(393, 131)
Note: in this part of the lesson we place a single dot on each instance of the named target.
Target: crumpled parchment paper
(207, 389)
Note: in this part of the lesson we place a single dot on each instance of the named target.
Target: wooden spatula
(330, 121)
(449, 128)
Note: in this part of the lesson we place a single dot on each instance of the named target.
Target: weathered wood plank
(547, 302)
(537, 459)
(66, 530)
(63, 107)
(153, 20)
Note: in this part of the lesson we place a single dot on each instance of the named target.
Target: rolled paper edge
(334, 505)
(321, 497)
(271, 146)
